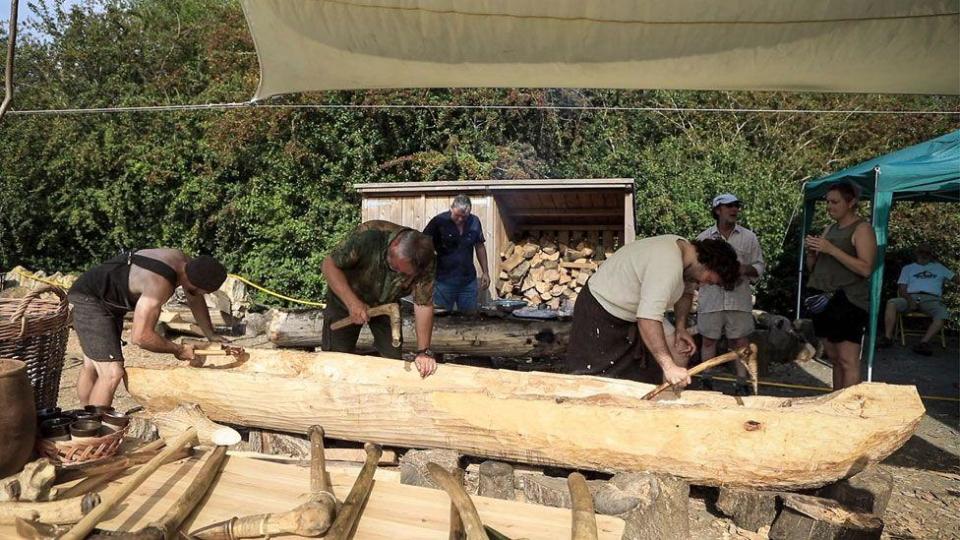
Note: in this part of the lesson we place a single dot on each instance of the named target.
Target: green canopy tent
(929, 171)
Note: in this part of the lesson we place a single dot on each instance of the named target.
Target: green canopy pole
(808, 209)
(882, 201)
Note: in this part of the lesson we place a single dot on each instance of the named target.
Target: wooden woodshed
(601, 209)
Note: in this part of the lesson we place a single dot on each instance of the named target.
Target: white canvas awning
(884, 46)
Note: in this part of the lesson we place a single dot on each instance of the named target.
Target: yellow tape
(819, 388)
(274, 293)
(63, 285)
(28, 275)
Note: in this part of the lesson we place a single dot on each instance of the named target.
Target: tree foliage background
(268, 189)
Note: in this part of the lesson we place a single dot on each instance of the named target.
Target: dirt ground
(925, 503)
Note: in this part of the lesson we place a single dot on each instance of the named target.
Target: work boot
(923, 348)
(884, 342)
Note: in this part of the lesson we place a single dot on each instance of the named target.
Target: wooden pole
(743, 353)
(85, 525)
(472, 526)
(198, 488)
(456, 524)
(318, 462)
(584, 516)
(349, 514)
(11, 53)
(167, 527)
(114, 464)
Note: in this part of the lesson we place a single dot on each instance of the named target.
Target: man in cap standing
(140, 282)
(723, 312)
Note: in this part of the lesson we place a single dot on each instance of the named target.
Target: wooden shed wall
(601, 210)
(416, 211)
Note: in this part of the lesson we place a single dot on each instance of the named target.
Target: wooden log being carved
(580, 422)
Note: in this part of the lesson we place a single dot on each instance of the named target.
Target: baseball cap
(725, 198)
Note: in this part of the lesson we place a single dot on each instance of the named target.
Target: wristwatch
(427, 352)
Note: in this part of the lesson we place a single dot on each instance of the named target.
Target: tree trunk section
(496, 480)
(653, 506)
(749, 509)
(481, 336)
(812, 518)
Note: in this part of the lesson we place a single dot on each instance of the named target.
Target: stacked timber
(543, 271)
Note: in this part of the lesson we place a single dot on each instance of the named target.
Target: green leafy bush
(269, 190)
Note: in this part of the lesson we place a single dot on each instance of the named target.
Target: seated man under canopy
(919, 288)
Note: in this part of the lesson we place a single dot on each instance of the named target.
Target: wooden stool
(917, 315)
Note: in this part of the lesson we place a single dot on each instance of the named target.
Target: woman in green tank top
(841, 261)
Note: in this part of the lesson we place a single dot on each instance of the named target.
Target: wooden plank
(629, 218)
(473, 186)
(491, 244)
(608, 241)
(578, 228)
(394, 511)
(583, 422)
(563, 213)
(413, 215)
(367, 209)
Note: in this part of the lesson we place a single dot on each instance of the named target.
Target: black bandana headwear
(206, 272)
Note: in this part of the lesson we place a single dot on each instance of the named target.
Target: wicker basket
(67, 453)
(34, 329)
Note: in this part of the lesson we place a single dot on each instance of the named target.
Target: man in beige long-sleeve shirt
(618, 320)
(730, 313)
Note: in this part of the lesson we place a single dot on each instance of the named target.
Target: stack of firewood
(547, 273)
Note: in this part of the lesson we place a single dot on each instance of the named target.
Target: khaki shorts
(733, 324)
(926, 303)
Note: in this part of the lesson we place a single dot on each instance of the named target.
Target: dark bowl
(80, 414)
(55, 427)
(85, 428)
(47, 414)
(115, 420)
(98, 409)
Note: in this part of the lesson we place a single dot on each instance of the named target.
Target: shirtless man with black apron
(140, 282)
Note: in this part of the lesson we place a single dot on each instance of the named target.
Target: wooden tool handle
(342, 323)
(318, 462)
(376, 311)
(349, 514)
(85, 525)
(703, 366)
(469, 518)
(584, 516)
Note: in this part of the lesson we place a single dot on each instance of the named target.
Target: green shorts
(925, 303)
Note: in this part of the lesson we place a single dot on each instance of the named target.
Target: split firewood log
(520, 270)
(512, 262)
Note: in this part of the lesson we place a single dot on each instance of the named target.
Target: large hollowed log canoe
(540, 418)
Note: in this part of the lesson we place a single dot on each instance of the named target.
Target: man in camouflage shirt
(379, 263)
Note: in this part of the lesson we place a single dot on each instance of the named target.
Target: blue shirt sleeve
(478, 229)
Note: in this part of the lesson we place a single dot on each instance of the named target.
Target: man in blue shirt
(457, 235)
(920, 288)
